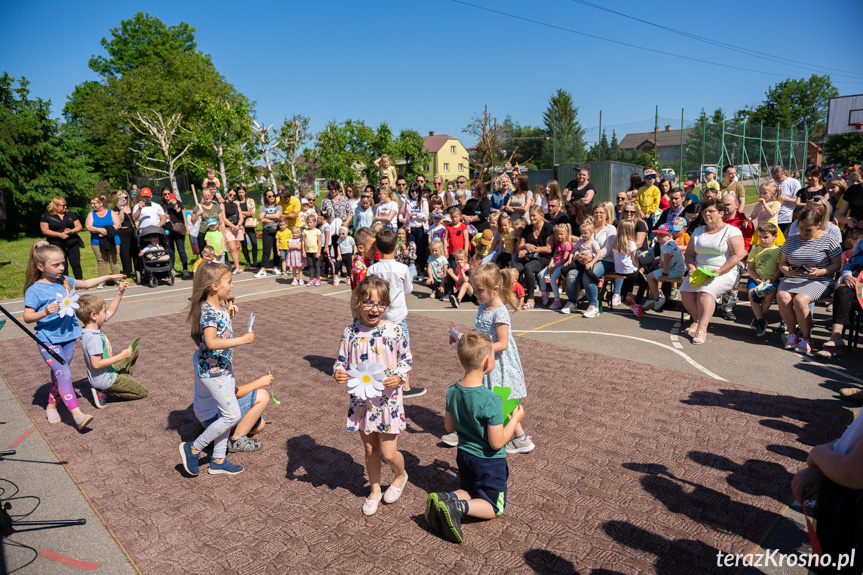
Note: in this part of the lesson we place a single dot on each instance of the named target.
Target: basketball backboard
(845, 115)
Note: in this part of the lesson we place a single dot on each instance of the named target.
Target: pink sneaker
(637, 310)
(545, 298)
(336, 280)
(630, 301)
(556, 304)
(317, 282)
(791, 341)
(295, 282)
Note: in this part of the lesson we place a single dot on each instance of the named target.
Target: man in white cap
(647, 198)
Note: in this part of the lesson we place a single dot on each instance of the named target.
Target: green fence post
(680, 174)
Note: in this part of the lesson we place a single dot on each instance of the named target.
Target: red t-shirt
(359, 269)
(456, 238)
(519, 291)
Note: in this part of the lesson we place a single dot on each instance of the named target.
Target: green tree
(292, 138)
(705, 141)
(224, 133)
(600, 150)
(342, 150)
(796, 103)
(528, 142)
(844, 149)
(560, 119)
(150, 68)
(409, 147)
(614, 151)
(38, 159)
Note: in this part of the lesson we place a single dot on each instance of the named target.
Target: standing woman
(208, 208)
(580, 188)
(60, 227)
(250, 225)
(477, 208)
(664, 194)
(102, 224)
(814, 186)
(126, 233)
(534, 251)
(520, 200)
(353, 196)
(415, 219)
(269, 214)
(234, 233)
(729, 183)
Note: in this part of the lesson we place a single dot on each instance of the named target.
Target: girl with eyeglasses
(374, 359)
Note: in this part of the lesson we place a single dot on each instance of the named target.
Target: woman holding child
(715, 247)
(809, 260)
(604, 233)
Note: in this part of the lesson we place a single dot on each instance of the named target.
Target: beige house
(449, 157)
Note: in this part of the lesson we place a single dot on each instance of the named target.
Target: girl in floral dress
(367, 345)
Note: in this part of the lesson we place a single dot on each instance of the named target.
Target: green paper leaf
(508, 404)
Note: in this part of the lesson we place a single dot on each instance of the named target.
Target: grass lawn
(12, 279)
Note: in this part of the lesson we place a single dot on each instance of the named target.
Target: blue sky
(433, 64)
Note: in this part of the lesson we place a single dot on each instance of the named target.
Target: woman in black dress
(477, 209)
(534, 251)
(60, 227)
(125, 231)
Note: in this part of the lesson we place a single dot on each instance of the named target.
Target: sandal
(243, 444)
(370, 506)
(830, 352)
(691, 330)
(528, 305)
(700, 337)
(830, 344)
(393, 493)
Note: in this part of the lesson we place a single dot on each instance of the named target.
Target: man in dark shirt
(176, 219)
(555, 214)
(675, 211)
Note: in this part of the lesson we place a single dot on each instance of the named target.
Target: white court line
(688, 359)
(338, 292)
(831, 370)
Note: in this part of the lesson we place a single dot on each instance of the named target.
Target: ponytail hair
(625, 235)
(205, 277)
(39, 255)
(489, 277)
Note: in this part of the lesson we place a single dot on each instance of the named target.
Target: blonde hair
(608, 207)
(102, 200)
(208, 251)
(205, 277)
(436, 243)
(625, 235)
(460, 253)
(473, 349)
(587, 225)
(565, 227)
(370, 285)
(772, 188)
(54, 205)
(489, 277)
(38, 256)
(87, 306)
(839, 183)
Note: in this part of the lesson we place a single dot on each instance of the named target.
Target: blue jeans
(601, 268)
(177, 245)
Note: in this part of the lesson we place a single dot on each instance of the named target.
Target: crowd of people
(495, 247)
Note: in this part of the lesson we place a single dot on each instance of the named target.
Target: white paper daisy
(366, 380)
(68, 303)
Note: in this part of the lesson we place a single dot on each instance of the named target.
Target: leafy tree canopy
(796, 103)
(566, 144)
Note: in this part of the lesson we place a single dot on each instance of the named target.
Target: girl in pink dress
(377, 419)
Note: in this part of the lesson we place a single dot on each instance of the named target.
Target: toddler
(327, 245)
(365, 243)
(456, 235)
(766, 210)
(215, 239)
(312, 249)
(457, 278)
(475, 415)
(363, 215)
(437, 233)
(295, 260)
(517, 288)
(561, 255)
(108, 373)
(505, 232)
(154, 251)
(208, 256)
(283, 237)
(763, 269)
(380, 418)
(345, 250)
(672, 266)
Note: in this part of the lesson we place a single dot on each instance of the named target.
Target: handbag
(270, 227)
(251, 221)
(178, 228)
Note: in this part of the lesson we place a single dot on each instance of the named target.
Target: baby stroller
(153, 265)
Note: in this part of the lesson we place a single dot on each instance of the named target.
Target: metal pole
(703, 140)
(805, 145)
(599, 145)
(680, 174)
(778, 154)
(656, 138)
(722, 151)
(554, 139)
(791, 155)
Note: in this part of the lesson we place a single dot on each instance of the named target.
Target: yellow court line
(548, 324)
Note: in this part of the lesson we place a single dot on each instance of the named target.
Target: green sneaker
(431, 509)
(449, 516)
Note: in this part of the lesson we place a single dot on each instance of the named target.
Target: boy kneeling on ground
(476, 414)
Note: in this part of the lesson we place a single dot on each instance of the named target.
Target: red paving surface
(637, 469)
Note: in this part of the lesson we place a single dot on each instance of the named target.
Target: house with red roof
(450, 159)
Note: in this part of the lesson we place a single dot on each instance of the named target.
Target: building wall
(445, 156)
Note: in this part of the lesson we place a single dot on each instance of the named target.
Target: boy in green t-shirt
(476, 414)
(763, 269)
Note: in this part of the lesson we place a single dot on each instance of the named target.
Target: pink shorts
(232, 237)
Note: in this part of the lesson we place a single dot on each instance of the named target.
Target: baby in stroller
(154, 251)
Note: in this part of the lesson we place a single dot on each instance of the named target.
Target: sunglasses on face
(628, 211)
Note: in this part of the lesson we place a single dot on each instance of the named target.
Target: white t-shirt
(150, 215)
(850, 437)
(712, 250)
(789, 189)
(623, 263)
(397, 275)
(388, 209)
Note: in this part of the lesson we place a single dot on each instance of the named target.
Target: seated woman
(844, 302)
(534, 251)
(809, 260)
(719, 247)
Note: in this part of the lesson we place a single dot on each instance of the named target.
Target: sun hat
(487, 237)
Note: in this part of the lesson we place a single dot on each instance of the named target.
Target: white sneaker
(660, 301)
(615, 300)
(100, 286)
(276, 272)
(567, 308)
(591, 311)
(450, 439)
(261, 274)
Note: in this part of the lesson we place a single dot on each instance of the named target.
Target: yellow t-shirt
(310, 240)
(647, 199)
(282, 237)
(289, 207)
(507, 240)
(765, 261)
(712, 184)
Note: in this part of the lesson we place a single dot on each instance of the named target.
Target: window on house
(452, 150)
(445, 167)
(426, 168)
(461, 167)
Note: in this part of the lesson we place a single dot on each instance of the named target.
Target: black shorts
(484, 478)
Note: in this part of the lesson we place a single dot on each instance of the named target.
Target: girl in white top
(387, 211)
(626, 264)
